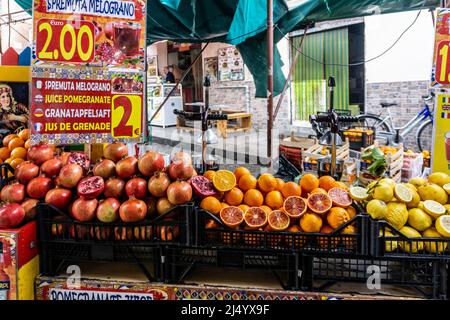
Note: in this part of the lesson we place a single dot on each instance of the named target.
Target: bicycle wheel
(424, 136)
(373, 121)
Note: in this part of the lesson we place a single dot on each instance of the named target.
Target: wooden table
(240, 121)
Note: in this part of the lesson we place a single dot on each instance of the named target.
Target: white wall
(159, 49)
(411, 57)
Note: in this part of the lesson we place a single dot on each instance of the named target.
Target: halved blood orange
(340, 197)
(232, 216)
(294, 206)
(255, 217)
(319, 203)
(278, 220)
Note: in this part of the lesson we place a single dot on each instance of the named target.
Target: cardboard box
(21, 260)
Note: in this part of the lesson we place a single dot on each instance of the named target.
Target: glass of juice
(126, 37)
(447, 146)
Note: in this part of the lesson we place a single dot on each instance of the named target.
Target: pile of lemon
(418, 209)
(15, 146)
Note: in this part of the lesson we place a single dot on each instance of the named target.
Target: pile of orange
(268, 203)
(15, 146)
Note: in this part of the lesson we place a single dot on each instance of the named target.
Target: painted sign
(441, 134)
(441, 58)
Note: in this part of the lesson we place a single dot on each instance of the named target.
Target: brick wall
(408, 97)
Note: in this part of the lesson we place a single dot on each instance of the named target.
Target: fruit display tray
(317, 243)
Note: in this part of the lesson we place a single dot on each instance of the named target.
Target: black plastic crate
(6, 174)
(429, 278)
(179, 262)
(362, 141)
(317, 243)
(382, 245)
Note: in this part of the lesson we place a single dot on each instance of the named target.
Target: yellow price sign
(126, 116)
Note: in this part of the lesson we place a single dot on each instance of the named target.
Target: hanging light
(210, 137)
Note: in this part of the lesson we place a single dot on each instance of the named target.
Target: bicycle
(385, 128)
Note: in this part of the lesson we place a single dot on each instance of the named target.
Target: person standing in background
(168, 71)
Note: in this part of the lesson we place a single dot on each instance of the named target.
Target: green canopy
(243, 23)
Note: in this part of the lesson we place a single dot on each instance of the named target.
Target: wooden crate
(314, 153)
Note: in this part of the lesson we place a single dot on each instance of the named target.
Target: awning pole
(269, 78)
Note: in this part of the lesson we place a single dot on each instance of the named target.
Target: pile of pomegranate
(120, 187)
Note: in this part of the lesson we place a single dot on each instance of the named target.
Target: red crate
(294, 155)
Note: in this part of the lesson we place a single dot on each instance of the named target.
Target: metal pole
(269, 78)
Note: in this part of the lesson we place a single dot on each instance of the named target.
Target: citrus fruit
(326, 229)
(337, 217)
(219, 195)
(377, 209)
(209, 174)
(255, 217)
(351, 229)
(351, 212)
(8, 138)
(414, 203)
(326, 182)
(234, 197)
(19, 152)
(211, 204)
(24, 134)
(410, 186)
(318, 190)
(247, 182)
(240, 171)
(294, 229)
(447, 207)
(446, 187)
(243, 207)
(417, 182)
(278, 220)
(358, 193)
(294, 206)
(390, 245)
(311, 222)
(328, 242)
(15, 143)
(253, 198)
(224, 205)
(274, 199)
(443, 226)
(4, 153)
(290, 189)
(439, 178)
(15, 162)
(280, 184)
(266, 209)
(434, 209)
(383, 192)
(340, 197)
(388, 181)
(419, 219)
(27, 144)
(434, 246)
(403, 193)
(319, 203)
(397, 214)
(413, 246)
(309, 182)
(224, 180)
(232, 216)
(433, 192)
(342, 185)
(267, 182)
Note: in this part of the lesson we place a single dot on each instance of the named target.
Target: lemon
(383, 192)
(397, 214)
(389, 244)
(417, 182)
(419, 219)
(377, 209)
(414, 203)
(442, 225)
(410, 186)
(439, 178)
(389, 181)
(421, 206)
(403, 193)
(446, 187)
(434, 209)
(433, 192)
(358, 193)
(434, 246)
(447, 207)
(411, 246)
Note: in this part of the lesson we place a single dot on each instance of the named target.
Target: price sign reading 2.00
(65, 41)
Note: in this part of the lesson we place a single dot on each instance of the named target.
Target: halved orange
(340, 197)
(319, 203)
(294, 206)
(232, 216)
(278, 220)
(255, 217)
(224, 180)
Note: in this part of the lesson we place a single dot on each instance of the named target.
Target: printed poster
(231, 65)
(88, 71)
(440, 77)
(441, 135)
(210, 68)
(14, 107)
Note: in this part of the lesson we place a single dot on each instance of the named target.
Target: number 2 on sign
(126, 116)
(442, 61)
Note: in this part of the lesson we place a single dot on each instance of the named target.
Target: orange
(309, 182)
(291, 189)
(219, 195)
(224, 205)
(266, 209)
(8, 160)
(241, 171)
(339, 184)
(24, 134)
(274, 199)
(326, 229)
(267, 182)
(243, 207)
(319, 203)
(15, 162)
(326, 182)
(349, 230)
(209, 174)
(294, 228)
(318, 190)
(340, 197)
(234, 197)
(253, 198)
(27, 144)
(19, 152)
(311, 222)
(224, 180)
(337, 217)
(232, 216)
(278, 220)
(255, 217)
(294, 206)
(8, 138)
(4, 153)
(15, 143)
(247, 182)
(351, 212)
(280, 184)
(211, 204)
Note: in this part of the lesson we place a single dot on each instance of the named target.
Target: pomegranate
(64, 157)
(114, 188)
(108, 210)
(38, 187)
(81, 159)
(40, 153)
(150, 163)
(26, 171)
(158, 184)
(181, 156)
(143, 233)
(84, 209)
(59, 197)
(105, 168)
(179, 192)
(52, 167)
(126, 168)
(133, 210)
(151, 207)
(70, 175)
(11, 215)
(100, 233)
(90, 187)
(29, 206)
(115, 151)
(136, 187)
(13, 193)
(168, 233)
(202, 186)
(163, 206)
(180, 170)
